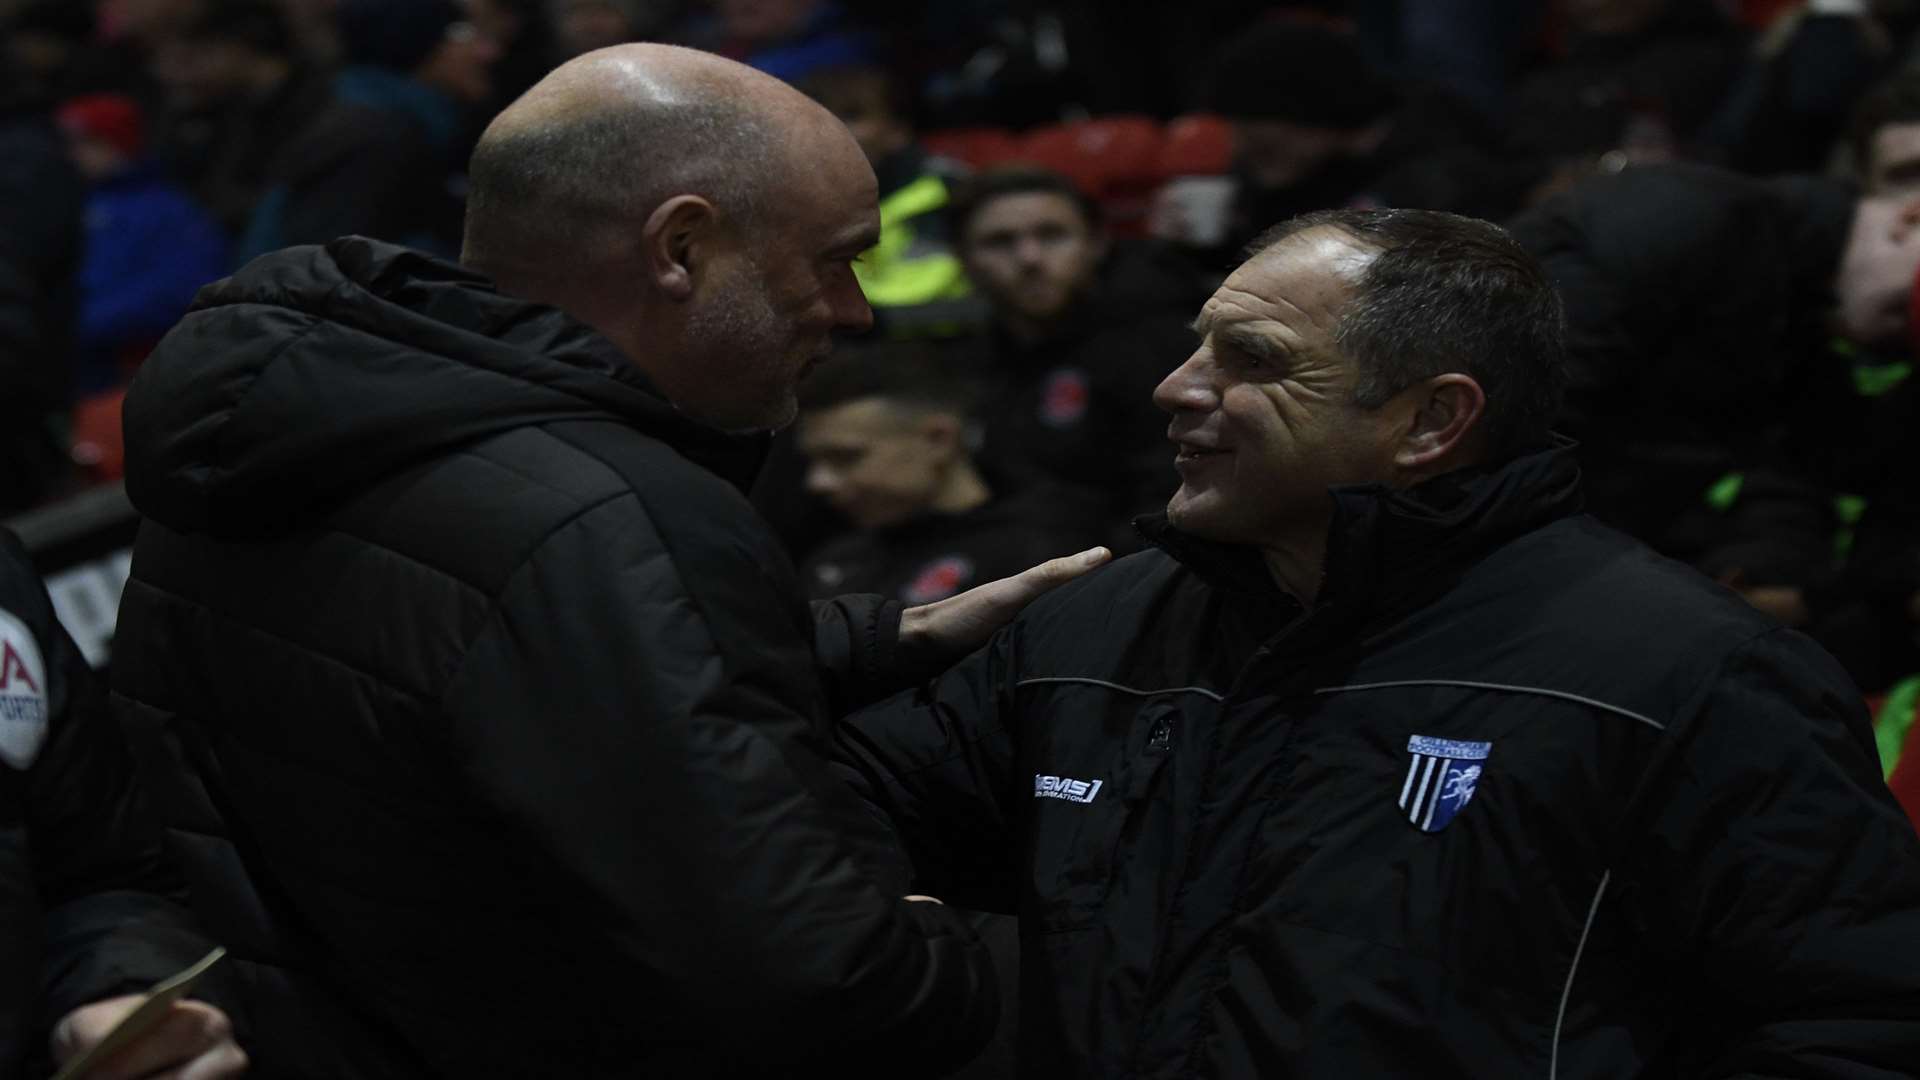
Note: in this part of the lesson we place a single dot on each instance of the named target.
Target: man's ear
(1445, 417)
(674, 241)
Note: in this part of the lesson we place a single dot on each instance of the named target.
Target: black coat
(487, 711)
(89, 906)
(40, 247)
(1517, 797)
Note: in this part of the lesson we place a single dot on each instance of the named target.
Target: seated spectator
(1883, 141)
(237, 90)
(382, 158)
(886, 433)
(912, 277)
(1718, 411)
(149, 247)
(1082, 332)
(1317, 126)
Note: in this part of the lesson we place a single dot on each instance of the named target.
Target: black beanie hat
(1304, 73)
(395, 34)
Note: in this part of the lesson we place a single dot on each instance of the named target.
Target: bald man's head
(607, 137)
(700, 214)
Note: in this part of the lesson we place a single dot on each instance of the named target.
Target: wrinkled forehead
(1308, 276)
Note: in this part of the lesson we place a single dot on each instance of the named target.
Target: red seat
(1196, 145)
(1115, 159)
(981, 148)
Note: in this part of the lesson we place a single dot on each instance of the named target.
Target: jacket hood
(316, 371)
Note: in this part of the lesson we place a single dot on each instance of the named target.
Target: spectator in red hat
(149, 247)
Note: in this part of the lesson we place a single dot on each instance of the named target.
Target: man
(383, 158)
(237, 91)
(88, 921)
(1080, 332)
(886, 435)
(1388, 761)
(1730, 342)
(486, 707)
(912, 277)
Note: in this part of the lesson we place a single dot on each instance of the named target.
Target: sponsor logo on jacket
(1063, 787)
(23, 694)
(1441, 779)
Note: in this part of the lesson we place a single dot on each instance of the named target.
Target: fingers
(223, 1062)
(927, 900)
(190, 1030)
(1057, 572)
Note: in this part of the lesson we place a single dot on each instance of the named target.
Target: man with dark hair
(237, 90)
(888, 437)
(383, 158)
(1883, 140)
(1390, 762)
(1081, 331)
(489, 717)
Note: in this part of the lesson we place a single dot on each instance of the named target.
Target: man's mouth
(1186, 452)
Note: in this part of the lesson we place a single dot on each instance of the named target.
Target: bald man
(483, 707)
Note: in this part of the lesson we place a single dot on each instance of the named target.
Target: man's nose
(1189, 387)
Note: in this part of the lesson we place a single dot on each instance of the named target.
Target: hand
(944, 631)
(194, 1041)
(928, 900)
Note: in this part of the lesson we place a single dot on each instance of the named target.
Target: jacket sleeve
(640, 710)
(936, 766)
(856, 642)
(1787, 877)
(114, 919)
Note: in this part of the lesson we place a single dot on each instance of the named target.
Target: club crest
(1441, 779)
(23, 694)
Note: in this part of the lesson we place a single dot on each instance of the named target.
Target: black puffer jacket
(1517, 798)
(485, 709)
(89, 906)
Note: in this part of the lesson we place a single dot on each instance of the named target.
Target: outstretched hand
(193, 1041)
(943, 632)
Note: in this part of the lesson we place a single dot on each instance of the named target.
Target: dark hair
(973, 194)
(1449, 293)
(1896, 101)
(906, 374)
(259, 25)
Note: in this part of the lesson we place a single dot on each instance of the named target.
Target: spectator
(1701, 317)
(1797, 89)
(149, 247)
(912, 277)
(40, 253)
(87, 896)
(45, 41)
(448, 621)
(886, 434)
(238, 90)
(1081, 333)
(1390, 762)
(1883, 140)
(381, 160)
(586, 25)
(1316, 125)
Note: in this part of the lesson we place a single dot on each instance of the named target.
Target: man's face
(1894, 165)
(202, 73)
(862, 104)
(878, 463)
(1877, 270)
(767, 308)
(461, 66)
(1033, 254)
(1263, 413)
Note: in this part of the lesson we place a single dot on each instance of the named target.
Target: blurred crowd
(1719, 187)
